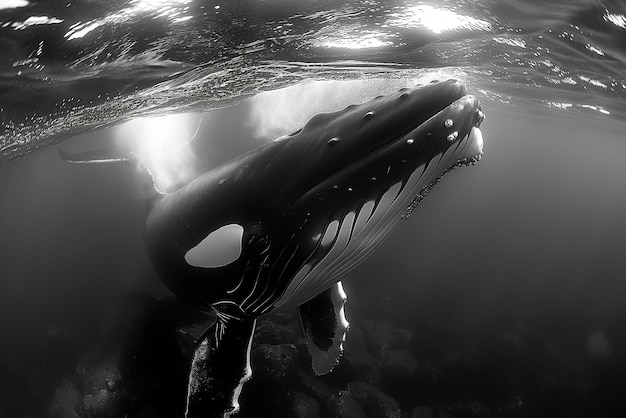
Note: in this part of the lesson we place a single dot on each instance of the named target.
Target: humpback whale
(281, 226)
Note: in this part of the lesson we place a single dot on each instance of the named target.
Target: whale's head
(281, 224)
(403, 141)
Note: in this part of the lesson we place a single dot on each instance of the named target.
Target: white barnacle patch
(220, 248)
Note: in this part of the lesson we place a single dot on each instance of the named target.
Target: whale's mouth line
(471, 143)
(350, 229)
(473, 139)
(392, 140)
(474, 135)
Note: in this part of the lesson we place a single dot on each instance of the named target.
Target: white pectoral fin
(325, 327)
(100, 156)
(148, 187)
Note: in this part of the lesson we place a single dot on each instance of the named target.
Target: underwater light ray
(162, 144)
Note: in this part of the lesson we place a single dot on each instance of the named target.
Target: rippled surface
(72, 66)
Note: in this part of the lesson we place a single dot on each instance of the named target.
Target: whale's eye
(220, 248)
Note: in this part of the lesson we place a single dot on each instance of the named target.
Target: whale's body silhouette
(279, 227)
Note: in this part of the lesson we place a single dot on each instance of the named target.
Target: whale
(281, 226)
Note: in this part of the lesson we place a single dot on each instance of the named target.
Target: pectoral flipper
(325, 326)
(220, 367)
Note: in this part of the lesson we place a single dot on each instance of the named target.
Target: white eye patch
(220, 248)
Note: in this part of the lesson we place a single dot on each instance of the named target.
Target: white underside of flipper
(325, 327)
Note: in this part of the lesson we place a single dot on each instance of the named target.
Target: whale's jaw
(352, 210)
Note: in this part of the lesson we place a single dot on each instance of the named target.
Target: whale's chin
(474, 150)
(476, 141)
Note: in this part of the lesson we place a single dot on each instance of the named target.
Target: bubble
(409, 141)
(333, 140)
(368, 115)
(453, 136)
(449, 123)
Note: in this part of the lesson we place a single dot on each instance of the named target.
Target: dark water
(510, 275)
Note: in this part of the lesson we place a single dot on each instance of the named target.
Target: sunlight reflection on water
(171, 9)
(437, 20)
